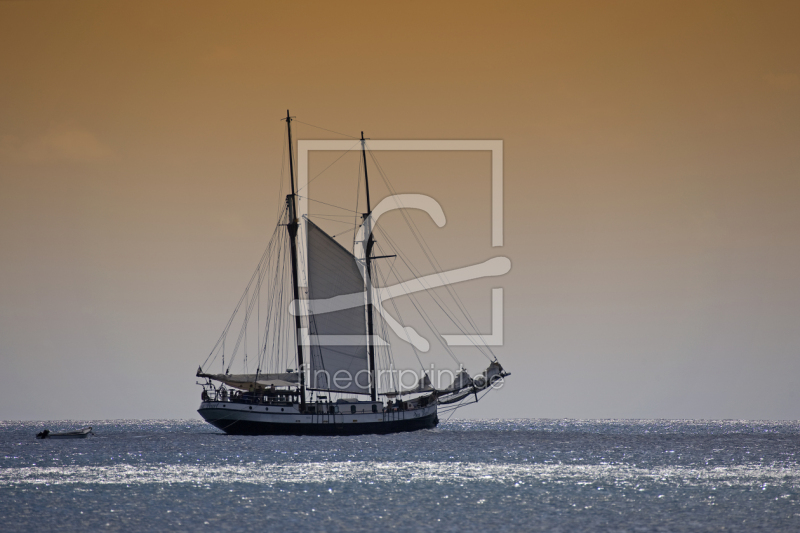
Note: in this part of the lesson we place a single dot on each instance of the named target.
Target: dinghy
(79, 434)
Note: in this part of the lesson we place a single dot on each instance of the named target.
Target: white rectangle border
(493, 146)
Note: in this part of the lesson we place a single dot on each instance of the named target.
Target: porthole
(251, 407)
(281, 408)
(266, 408)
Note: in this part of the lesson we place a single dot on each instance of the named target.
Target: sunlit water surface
(510, 475)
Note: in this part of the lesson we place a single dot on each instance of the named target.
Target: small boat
(79, 434)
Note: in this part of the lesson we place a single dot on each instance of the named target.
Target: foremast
(292, 227)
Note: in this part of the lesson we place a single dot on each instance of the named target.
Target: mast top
(288, 120)
(366, 176)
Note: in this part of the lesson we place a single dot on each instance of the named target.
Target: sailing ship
(334, 386)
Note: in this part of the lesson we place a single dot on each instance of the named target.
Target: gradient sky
(652, 186)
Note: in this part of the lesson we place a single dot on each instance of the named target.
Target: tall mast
(291, 201)
(373, 382)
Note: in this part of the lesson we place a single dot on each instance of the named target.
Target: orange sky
(651, 189)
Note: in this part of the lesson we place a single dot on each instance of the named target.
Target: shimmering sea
(494, 475)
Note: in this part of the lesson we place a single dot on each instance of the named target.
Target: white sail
(252, 382)
(333, 271)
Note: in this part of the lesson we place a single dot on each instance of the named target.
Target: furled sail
(254, 382)
(489, 376)
(423, 385)
(338, 338)
(461, 381)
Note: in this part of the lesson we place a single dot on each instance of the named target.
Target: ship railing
(221, 395)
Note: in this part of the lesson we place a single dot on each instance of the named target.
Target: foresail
(338, 338)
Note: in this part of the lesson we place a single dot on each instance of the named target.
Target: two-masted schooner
(333, 385)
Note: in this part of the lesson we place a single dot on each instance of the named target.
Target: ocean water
(496, 475)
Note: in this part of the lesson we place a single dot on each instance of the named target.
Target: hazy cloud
(58, 143)
(221, 56)
(784, 82)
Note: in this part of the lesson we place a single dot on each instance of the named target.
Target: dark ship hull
(240, 419)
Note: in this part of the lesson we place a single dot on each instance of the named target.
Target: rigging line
(436, 299)
(326, 168)
(290, 335)
(396, 310)
(421, 310)
(427, 250)
(341, 233)
(333, 220)
(258, 332)
(385, 357)
(285, 341)
(243, 331)
(460, 405)
(449, 417)
(273, 291)
(435, 264)
(280, 182)
(271, 319)
(439, 301)
(278, 286)
(282, 281)
(270, 299)
(385, 352)
(358, 197)
(276, 298)
(415, 302)
(302, 260)
(326, 129)
(314, 356)
(270, 292)
(326, 203)
(246, 291)
(274, 288)
(261, 271)
(429, 322)
(293, 153)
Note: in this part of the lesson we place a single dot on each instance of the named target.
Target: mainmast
(373, 383)
(292, 226)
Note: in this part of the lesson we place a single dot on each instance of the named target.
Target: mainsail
(338, 339)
